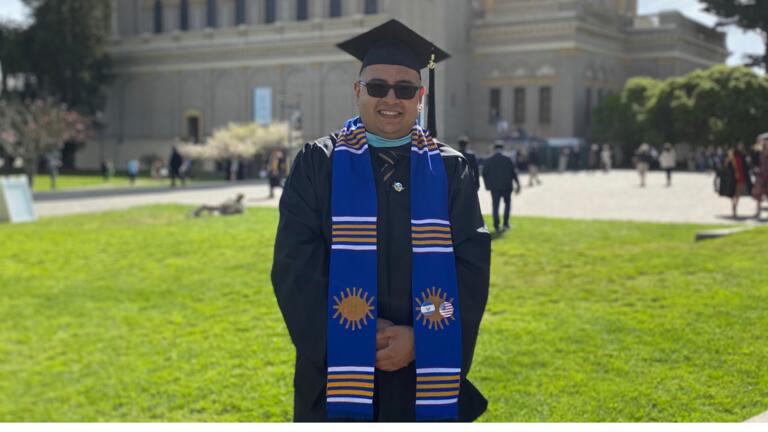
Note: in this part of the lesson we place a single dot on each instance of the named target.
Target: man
(382, 259)
(534, 162)
(500, 176)
(471, 159)
(227, 208)
(174, 167)
(275, 170)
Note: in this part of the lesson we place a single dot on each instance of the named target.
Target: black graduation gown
(301, 266)
(474, 167)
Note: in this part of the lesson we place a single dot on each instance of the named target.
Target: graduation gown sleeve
(472, 249)
(300, 273)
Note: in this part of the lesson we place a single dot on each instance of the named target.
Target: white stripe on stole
(425, 150)
(350, 400)
(351, 369)
(438, 370)
(432, 249)
(353, 247)
(349, 149)
(353, 219)
(437, 401)
(429, 221)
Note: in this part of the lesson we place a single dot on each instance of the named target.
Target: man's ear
(357, 88)
(422, 91)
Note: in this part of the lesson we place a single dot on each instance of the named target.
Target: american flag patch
(446, 309)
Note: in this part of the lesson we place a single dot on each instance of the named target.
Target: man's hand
(381, 324)
(397, 348)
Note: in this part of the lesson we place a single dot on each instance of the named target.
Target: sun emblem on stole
(355, 308)
(435, 310)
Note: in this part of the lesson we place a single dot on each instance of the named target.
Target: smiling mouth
(389, 113)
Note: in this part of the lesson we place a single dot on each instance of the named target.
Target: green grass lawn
(145, 315)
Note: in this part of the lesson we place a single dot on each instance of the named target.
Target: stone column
(351, 7)
(318, 9)
(285, 11)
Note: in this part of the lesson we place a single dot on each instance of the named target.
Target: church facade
(186, 67)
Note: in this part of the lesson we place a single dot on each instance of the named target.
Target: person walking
(276, 170)
(534, 164)
(593, 159)
(562, 160)
(643, 161)
(500, 177)
(606, 156)
(667, 161)
(733, 179)
(133, 170)
(760, 188)
(174, 166)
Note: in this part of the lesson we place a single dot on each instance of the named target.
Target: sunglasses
(381, 90)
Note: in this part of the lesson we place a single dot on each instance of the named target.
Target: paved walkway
(613, 196)
(617, 196)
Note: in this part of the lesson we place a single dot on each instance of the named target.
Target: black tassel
(431, 115)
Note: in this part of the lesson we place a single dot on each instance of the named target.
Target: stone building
(186, 67)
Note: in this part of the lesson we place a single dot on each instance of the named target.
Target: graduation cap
(393, 43)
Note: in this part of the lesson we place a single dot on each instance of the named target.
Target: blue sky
(739, 42)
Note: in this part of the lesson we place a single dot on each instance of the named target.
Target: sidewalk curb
(125, 191)
(761, 418)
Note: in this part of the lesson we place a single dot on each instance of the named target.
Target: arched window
(158, 18)
(184, 15)
(270, 12)
(302, 10)
(371, 7)
(210, 13)
(239, 12)
(335, 8)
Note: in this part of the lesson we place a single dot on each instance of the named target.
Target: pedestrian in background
(643, 161)
(733, 179)
(562, 162)
(174, 167)
(133, 170)
(534, 162)
(668, 160)
(276, 168)
(606, 158)
(593, 160)
(500, 177)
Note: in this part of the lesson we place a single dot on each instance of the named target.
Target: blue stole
(352, 286)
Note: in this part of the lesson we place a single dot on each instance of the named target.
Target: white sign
(16, 200)
(262, 105)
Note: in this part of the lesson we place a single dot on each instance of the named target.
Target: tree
(31, 129)
(742, 111)
(238, 142)
(614, 122)
(719, 106)
(12, 53)
(623, 119)
(747, 14)
(65, 49)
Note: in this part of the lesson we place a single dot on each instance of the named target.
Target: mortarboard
(393, 43)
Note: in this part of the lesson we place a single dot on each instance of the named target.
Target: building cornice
(575, 47)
